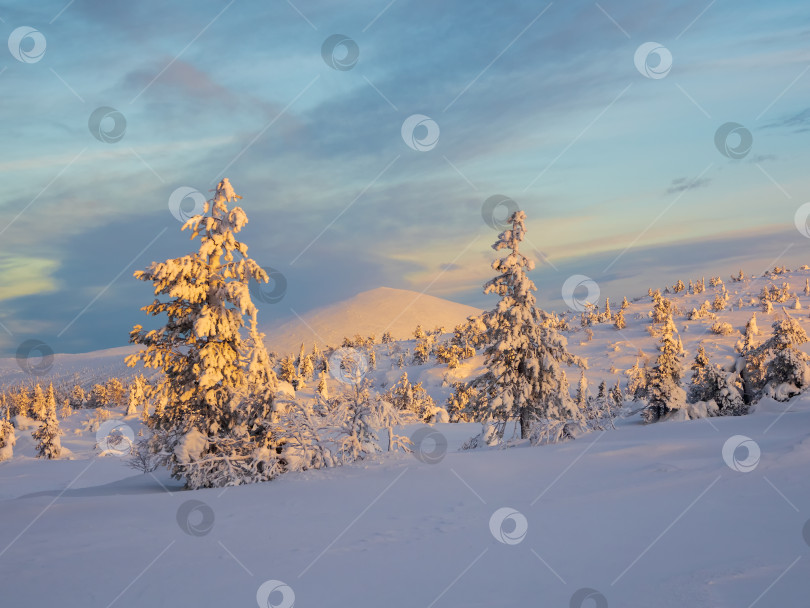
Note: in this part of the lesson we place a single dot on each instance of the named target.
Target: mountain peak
(375, 311)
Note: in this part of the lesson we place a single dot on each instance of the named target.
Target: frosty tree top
(215, 397)
(524, 377)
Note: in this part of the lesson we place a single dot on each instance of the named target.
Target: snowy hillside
(705, 513)
(94, 366)
(374, 312)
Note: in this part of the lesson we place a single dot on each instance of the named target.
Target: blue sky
(618, 173)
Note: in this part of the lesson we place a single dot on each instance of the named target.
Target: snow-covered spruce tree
(214, 401)
(697, 385)
(424, 346)
(607, 315)
(458, 404)
(616, 395)
(664, 391)
(582, 392)
(77, 396)
(598, 411)
(287, 371)
(470, 335)
(449, 354)
(39, 408)
(620, 323)
(306, 370)
(723, 388)
(49, 444)
(751, 362)
(358, 438)
(135, 396)
(66, 411)
(115, 392)
(788, 372)
(413, 398)
(638, 379)
(525, 378)
(7, 437)
(662, 308)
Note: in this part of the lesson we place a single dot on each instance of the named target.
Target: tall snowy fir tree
(525, 378)
(49, 444)
(664, 391)
(214, 401)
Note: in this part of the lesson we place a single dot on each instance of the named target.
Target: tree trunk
(525, 423)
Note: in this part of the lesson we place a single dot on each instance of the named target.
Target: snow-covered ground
(644, 515)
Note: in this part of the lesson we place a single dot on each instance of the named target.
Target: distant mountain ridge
(376, 311)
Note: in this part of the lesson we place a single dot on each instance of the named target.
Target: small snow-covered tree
(616, 394)
(459, 406)
(115, 392)
(662, 308)
(722, 387)
(287, 371)
(49, 444)
(413, 398)
(7, 438)
(788, 372)
(323, 388)
(98, 396)
(213, 416)
(39, 408)
(424, 346)
(358, 436)
(582, 392)
(77, 396)
(449, 354)
(135, 395)
(637, 380)
(697, 389)
(306, 369)
(664, 392)
(66, 411)
(525, 378)
(751, 363)
(620, 323)
(751, 328)
(145, 410)
(470, 335)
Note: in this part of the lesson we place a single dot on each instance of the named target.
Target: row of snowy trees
(219, 413)
(47, 434)
(775, 367)
(19, 405)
